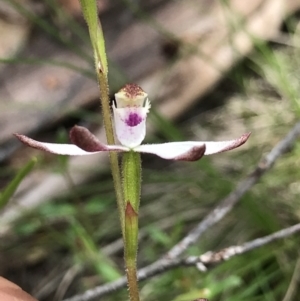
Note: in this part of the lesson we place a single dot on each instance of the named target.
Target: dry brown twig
(172, 260)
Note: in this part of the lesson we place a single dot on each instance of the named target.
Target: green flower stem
(114, 163)
(132, 179)
(132, 190)
(89, 9)
(130, 252)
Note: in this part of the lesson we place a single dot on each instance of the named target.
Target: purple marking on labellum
(133, 119)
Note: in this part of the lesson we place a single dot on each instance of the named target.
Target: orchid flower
(130, 111)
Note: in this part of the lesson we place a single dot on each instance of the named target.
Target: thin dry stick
(202, 262)
(210, 259)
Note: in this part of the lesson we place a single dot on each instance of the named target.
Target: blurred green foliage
(9, 190)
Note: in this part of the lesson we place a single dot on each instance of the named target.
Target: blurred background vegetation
(60, 232)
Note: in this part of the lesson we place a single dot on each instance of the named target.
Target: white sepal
(190, 150)
(66, 149)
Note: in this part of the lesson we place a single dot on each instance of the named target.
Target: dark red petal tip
(30, 142)
(238, 142)
(242, 140)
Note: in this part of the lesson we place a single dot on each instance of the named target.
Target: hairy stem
(132, 190)
(130, 252)
(104, 90)
(89, 10)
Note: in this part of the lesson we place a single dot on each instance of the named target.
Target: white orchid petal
(190, 150)
(64, 149)
(173, 151)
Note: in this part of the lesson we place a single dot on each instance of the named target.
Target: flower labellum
(130, 112)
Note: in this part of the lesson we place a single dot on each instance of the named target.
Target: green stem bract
(89, 8)
(132, 179)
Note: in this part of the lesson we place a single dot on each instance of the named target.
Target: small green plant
(130, 113)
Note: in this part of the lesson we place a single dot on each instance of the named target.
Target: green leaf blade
(14, 184)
